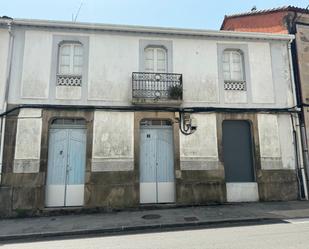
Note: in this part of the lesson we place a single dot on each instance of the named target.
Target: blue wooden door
(165, 165)
(66, 167)
(157, 183)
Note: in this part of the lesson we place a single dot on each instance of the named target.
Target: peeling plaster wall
(68, 92)
(269, 139)
(28, 141)
(286, 142)
(235, 97)
(112, 61)
(199, 151)
(281, 74)
(113, 141)
(36, 65)
(196, 60)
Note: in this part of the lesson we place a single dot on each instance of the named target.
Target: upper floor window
(155, 59)
(233, 70)
(70, 64)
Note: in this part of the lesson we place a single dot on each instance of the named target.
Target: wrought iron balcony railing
(156, 86)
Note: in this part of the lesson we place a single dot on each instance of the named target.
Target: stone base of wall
(111, 190)
(5, 201)
(200, 187)
(200, 193)
(277, 185)
(24, 194)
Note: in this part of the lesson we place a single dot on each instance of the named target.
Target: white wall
(276, 141)
(197, 61)
(4, 47)
(113, 57)
(28, 141)
(199, 151)
(261, 73)
(36, 65)
(286, 142)
(113, 141)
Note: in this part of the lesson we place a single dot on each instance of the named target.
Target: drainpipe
(292, 72)
(299, 155)
(298, 126)
(6, 90)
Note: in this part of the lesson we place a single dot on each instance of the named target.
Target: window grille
(235, 85)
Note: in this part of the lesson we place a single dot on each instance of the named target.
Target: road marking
(297, 220)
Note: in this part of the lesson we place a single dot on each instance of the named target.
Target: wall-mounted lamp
(187, 124)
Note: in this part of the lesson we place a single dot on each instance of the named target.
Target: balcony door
(155, 60)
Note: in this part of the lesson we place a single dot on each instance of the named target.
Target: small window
(68, 121)
(233, 70)
(155, 60)
(155, 122)
(70, 65)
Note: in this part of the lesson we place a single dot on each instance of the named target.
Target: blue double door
(157, 180)
(66, 167)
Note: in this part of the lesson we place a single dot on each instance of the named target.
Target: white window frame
(155, 58)
(230, 53)
(72, 45)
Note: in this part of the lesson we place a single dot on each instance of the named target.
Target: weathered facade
(98, 116)
(287, 20)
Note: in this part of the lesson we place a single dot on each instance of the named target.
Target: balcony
(156, 88)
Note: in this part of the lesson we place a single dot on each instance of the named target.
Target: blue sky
(166, 13)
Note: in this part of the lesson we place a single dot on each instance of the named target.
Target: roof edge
(266, 11)
(146, 29)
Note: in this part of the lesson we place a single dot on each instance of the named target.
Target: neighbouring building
(110, 116)
(285, 20)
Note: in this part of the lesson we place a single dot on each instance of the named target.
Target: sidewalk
(38, 227)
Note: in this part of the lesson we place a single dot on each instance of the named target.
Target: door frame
(157, 128)
(67, 127)
(138, 117)
(48, 115)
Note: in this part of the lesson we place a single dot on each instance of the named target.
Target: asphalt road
(294, 235)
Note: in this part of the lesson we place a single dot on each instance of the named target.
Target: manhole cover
(151, 216)
(193, 218)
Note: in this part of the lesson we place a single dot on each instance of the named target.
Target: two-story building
(111, 116)
(284, 20)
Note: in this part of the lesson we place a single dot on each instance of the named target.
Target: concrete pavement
(283, 236)
(122, 221)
